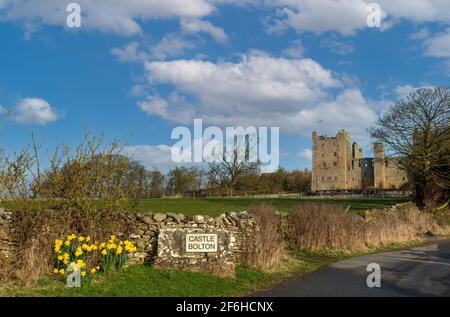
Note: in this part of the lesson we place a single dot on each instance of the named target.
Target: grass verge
(143, 280)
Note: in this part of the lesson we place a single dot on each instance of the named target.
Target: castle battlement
(338, 164)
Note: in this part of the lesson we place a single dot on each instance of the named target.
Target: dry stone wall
(161, 239)
(6, 242)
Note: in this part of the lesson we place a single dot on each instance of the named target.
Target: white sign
(201, 242)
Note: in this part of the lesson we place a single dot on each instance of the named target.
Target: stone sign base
(172, 250)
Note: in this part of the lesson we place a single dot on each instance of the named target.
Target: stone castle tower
(338, 164)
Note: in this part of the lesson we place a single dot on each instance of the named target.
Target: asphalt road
(420, 271)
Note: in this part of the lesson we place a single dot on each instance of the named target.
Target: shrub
(321, 226)
(266, 247)
(81, 191)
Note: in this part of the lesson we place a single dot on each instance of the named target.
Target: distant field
(216, 206)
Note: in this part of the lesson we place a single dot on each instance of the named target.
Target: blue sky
(138, 68)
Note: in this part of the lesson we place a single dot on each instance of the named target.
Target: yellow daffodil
(93, 270)
(104, 252)
(62, 272)
(71, 237)
(81, 264)
(83, 274)
(67, 243)
(79, 251)
(56, 271)
(119, 250)
(86, 247)
(88, 238)
(58, 244)
(112, 239)
(81, 239)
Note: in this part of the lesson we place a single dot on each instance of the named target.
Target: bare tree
(417, 130)
(230, 169)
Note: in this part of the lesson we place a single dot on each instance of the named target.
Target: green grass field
(216, 206)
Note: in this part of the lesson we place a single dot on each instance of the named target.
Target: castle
(338, 164)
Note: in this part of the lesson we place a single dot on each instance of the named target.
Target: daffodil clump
(82, 251)
(114, 253)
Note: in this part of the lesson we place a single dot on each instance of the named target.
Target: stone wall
(6, 243)
(160, 239)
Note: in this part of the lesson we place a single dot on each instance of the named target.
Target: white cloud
(156, 156)
(305, 154)
(176, 109)
(170, 46)
(319, 16)
(123, 17)
(336, 46)
(129, 53)
(403, 91)
(34, 111)
(349, 16)
(112, 16)
(137, 91)
(151, 156)
(296, 50)
(260, 90)
(193, 26)
(438, 45)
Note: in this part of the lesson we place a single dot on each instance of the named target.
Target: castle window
(323, 154)
(386, 163)
(353, 179)
(324, 164)
(323, 144)
(365, 164)
(334, 154)
(353, 165)
(335, 178)
(334, 163)
(323, 178)
(403, 178)
(329, 178)
(359, 163)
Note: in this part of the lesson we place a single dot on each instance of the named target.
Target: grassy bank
(143, 280)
